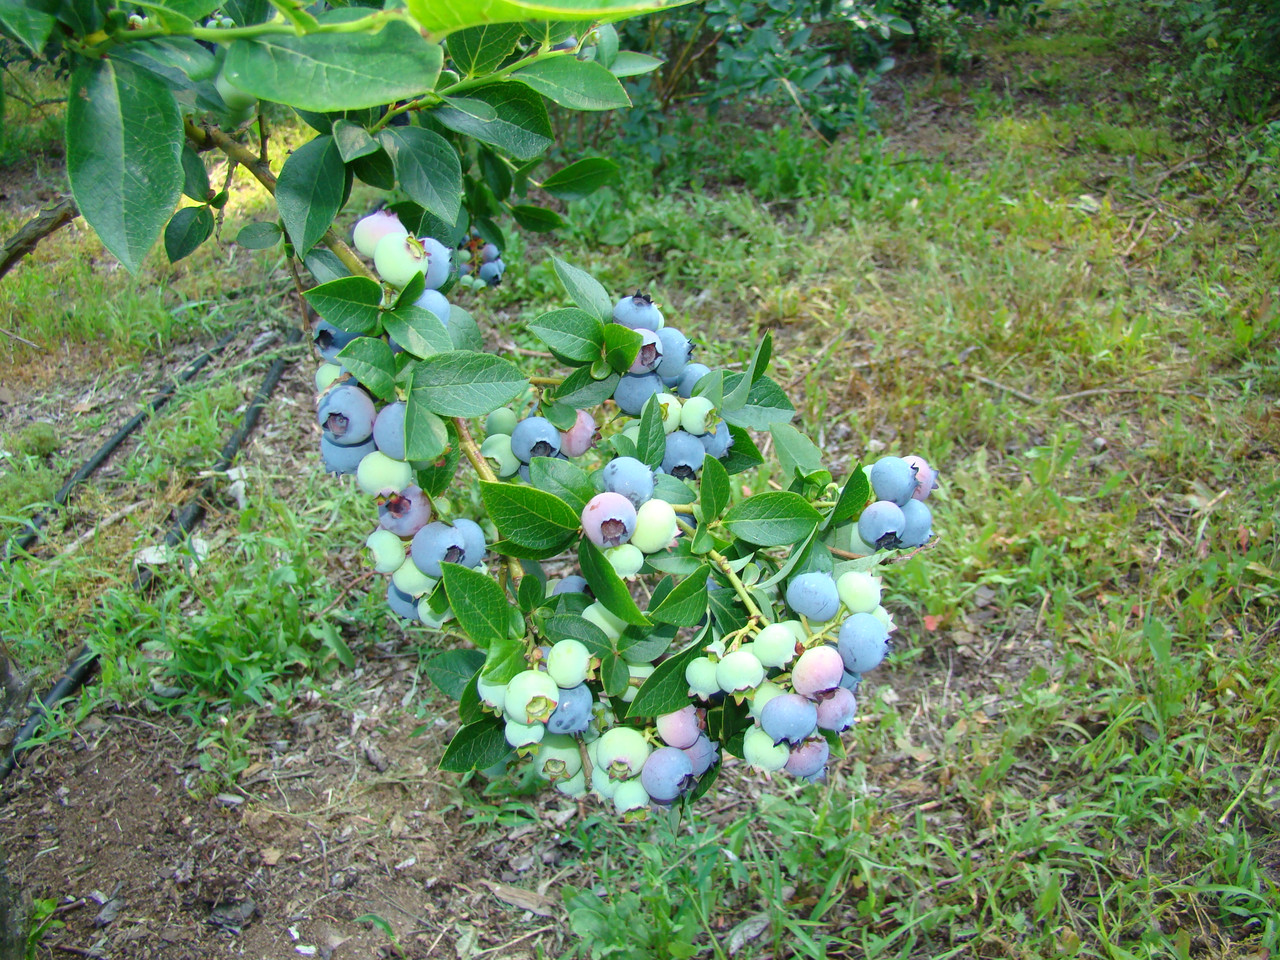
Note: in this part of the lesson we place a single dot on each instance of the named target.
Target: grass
(1071, 752)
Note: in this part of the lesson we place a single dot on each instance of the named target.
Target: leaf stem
(722, 562)
(481, 466)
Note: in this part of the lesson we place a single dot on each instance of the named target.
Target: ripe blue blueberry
(919, 524)
(629, 477)
(491, 272)
(402, 604)
(388, 430)
(473, 545)
(813, 595)
(689, 378)
(893, 479)
(346, 415)
(702, 754)
(535, 437)
(789, 717)
(881, 525)
(434, 301)
(676, 351)
(573, 711)
(683, 456)
(634, 390)
(863, 642)
(330, 340)
(571, 584)
(667, 773)
(637, 312)
(437, 543)
(339, 459)
(717, 444)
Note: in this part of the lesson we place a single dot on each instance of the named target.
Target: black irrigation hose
(20, 543)
(84, 661)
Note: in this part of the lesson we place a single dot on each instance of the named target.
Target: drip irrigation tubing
(84, 661)
(21, 542)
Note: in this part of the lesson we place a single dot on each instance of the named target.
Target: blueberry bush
(703, 618)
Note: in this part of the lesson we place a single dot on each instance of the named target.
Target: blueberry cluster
(899, 517)
(480, 263)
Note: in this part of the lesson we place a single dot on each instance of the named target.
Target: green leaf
(522, 127)
(678, 561)
(853, 497)
(651, 445)
(336, 71)
(195, 178)
(536, 219)
(124, 155)
(621, 344)
(310, 191)
(606, 44)
(631, 64)
(452, 670)
(744, 454)
(666, 690)
(505, 659)
(427, 167)
(466, 384)
(713, 489)
(350, 304)
(686, 604)
(530, 517)
(614, 675)
(417, 330)
(573, 335)
(508, 548)
(476, 746)
(564, 478)
(371, 361)
(259, 235)
(726, 610)
(795, 451)
(353, 140)
(573, 83)
(444, 18)
(481, 50)
(610, 589)
(496, 174)
(31, 26)
(711, 386)
(246, 13)
(434, 478)
(646, 644)
(375, 169)
(579, 389)
(190, 227)
(325, 265)
(673, 489)
(464, 331)
(584, 290)
(772, 519)
(532, 592)
(581, 179)
(568, 626)
(766, 404)
(426, 436)
(737, 396)
(478, 602)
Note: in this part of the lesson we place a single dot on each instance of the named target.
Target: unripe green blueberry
(739, 670)
(885, 617)
(387, 549)
(531, 696)
(632, 432)
(326, 374)
(502, 420)
(859, 591)
(568, 662)
(238, 101)
(764, 693)
(700, 674)
(603, 784)
(670, 405)
(494, 694)
(622, 751)
(626, 560)
(558, 757)
(655, 526)
(380, 476)
(497, 450)
(603, 618)
(697, 416)
(574, 787)
(524, 735)
(775, 645)
(398, 257)
(631, 800)
(759, 750)
(412, 580)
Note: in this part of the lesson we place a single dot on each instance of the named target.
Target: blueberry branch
(722, 562)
